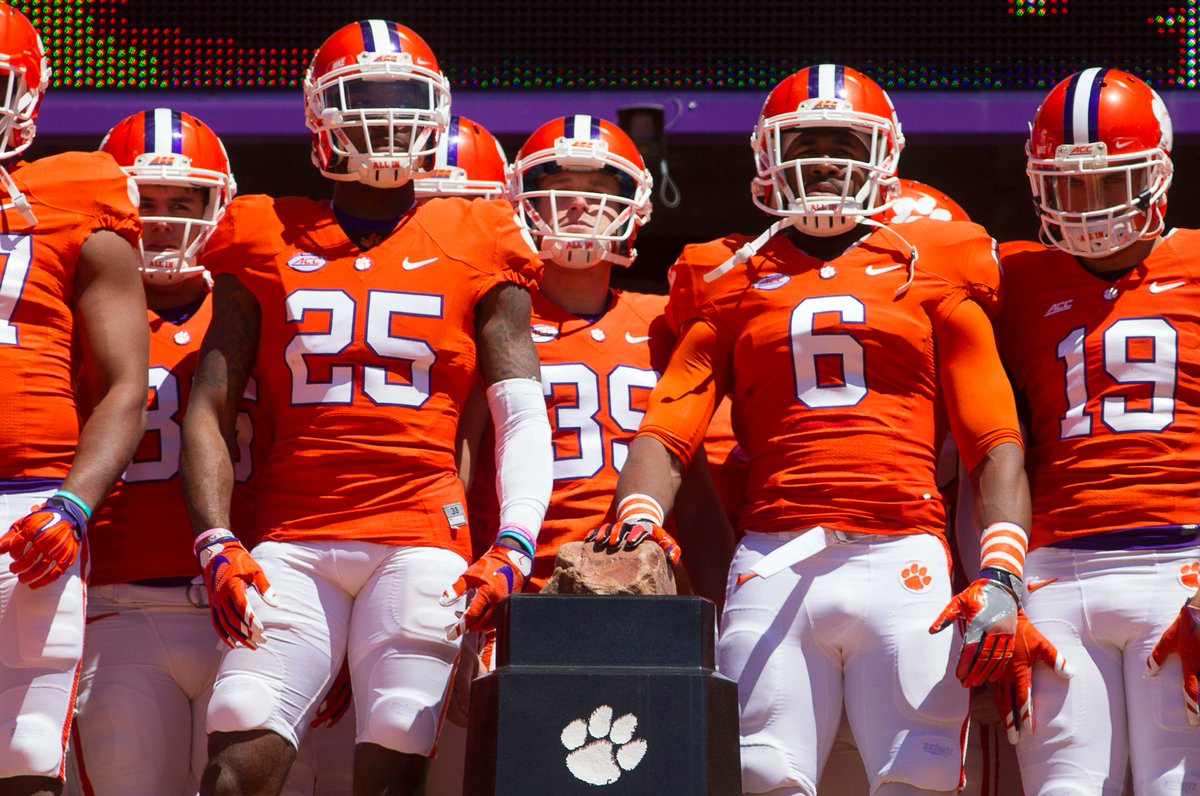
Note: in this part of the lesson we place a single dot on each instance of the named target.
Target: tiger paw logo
(1189, 576)
(915, 578)
(601, 748)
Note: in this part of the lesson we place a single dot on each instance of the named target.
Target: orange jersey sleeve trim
(979, 398)
(686, 396)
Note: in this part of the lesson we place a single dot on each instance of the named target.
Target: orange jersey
(597, 378)
(832, 371)
(141, 530)
(1110, 377)
(73, 195)
(726, 460)
(364, 361)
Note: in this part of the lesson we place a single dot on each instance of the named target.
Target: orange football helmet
(1099, 162)
(376, 103)
(827, 97)
(912, 200)
(169, 147)
(582, 143)
(470, 162)
(26, 74)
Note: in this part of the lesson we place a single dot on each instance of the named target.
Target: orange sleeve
(686, 396)
(979, 398)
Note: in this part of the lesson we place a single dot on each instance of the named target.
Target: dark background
(666, 44)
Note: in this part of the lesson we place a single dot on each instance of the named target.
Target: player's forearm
(205, 470)
(1001, 487)
(650, 470)
(107, 442)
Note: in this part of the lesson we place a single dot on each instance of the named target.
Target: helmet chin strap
(18, 199)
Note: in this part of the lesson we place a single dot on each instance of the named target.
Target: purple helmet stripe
(452, 142)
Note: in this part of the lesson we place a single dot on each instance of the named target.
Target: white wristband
(1003, 546)
(639, 506)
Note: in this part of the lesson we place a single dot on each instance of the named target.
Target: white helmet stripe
(1081, 106)
(581, 125)
(379, 32)
(827, 81)
(162, 131)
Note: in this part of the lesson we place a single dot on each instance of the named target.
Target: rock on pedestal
(582, 569)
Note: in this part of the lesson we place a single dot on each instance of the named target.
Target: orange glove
(1014, 689)
(228, 572)
(615, 535)
(45, 542)
(987, 612)
(337, 699)
(1182, 638)
(499, 572)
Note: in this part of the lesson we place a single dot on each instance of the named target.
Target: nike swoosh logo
(98, 617)
(1155, 287)
(635, 340)
(873, 271)
(410, 265)
(1034, 585)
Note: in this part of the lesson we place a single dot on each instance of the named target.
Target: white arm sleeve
(524, 457)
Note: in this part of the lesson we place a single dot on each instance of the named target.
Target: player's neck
(364, 201)
(169, 296)
(580, 291)
(1124, 259)
(829, 248)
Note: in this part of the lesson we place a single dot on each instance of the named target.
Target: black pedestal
(603, 695)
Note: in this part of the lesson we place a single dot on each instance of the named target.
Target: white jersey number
(16, 255)
(163, 408)
(1136, 351)
(839, 350)
(582, 417)
(403, 381)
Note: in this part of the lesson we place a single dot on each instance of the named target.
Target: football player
(149, 660)
(367, 320)
(1100, 333)
(73, 351)
(581, 189)
(837, 337)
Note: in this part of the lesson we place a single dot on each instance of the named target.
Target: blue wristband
(77, 500)
(522, 538)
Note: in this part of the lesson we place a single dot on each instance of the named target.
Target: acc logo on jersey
(772, 281)
(306, 262)
(543, 332)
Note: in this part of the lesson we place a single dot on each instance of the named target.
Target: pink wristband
(203, 539)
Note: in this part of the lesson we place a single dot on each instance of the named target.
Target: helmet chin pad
(383, 172)
(824, 226)
(574, 253)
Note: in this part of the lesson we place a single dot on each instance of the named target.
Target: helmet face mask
(826, 99)
(1099, 163)
(172, 149)
(376, 103)
(582, 190)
